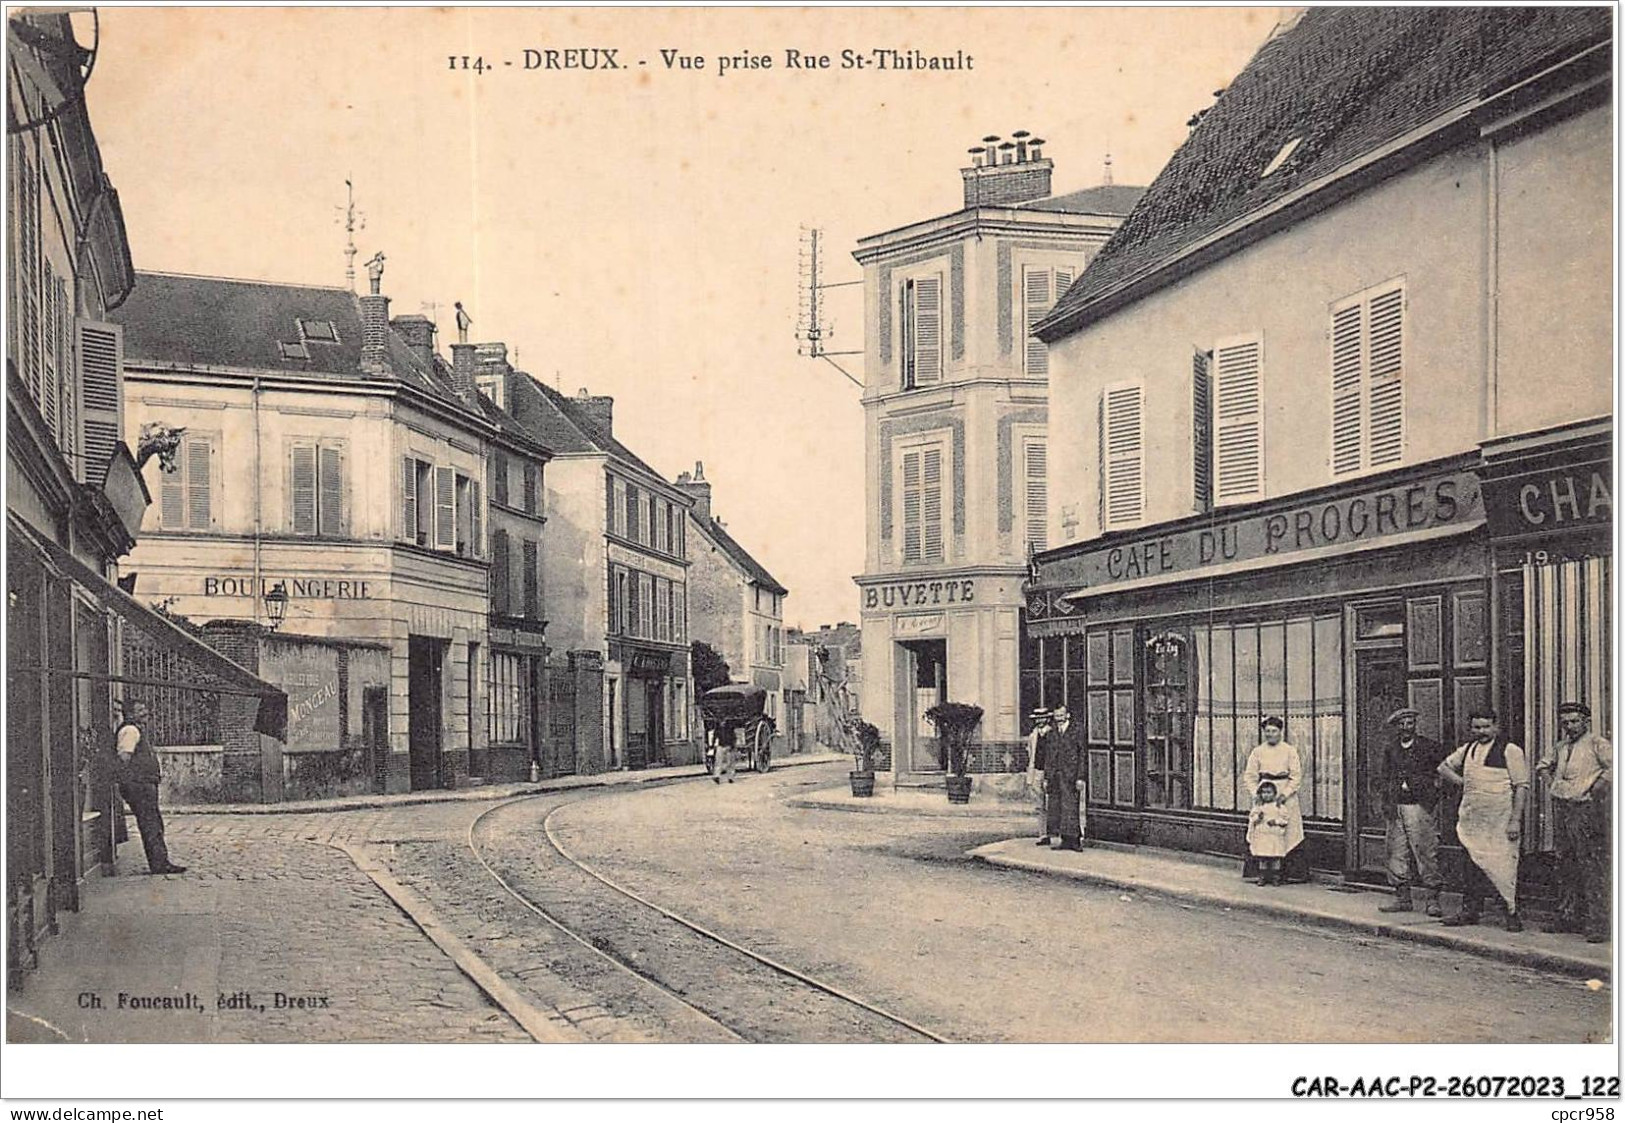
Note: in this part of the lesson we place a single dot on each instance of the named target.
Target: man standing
(1063, 763)
(1494, 778)
(138, 775)
(1037, 744)
(1410, 801)
(1581, 770)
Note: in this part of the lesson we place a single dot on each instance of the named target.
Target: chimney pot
(418, 333)
(464, 364)
(374, 333)
(697, 489)
(1019, 176)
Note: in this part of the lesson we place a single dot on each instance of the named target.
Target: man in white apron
(1493, 774)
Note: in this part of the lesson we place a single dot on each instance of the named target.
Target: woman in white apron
(1278, 762)
(1493, 775)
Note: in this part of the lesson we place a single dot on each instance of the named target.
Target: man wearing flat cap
(1580, 768)
(1037, 744)
(1411, 806)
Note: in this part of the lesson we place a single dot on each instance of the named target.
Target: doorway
(1380, 689)
(923, 667)
(654, 706)
(375, 734)
(426, 660)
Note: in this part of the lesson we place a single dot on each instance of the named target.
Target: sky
(632, 231)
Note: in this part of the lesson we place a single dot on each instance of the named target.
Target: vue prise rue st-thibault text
(886, 59)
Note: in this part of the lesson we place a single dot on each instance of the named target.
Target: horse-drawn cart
(736, 715)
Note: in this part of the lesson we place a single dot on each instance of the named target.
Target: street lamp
(276, 603)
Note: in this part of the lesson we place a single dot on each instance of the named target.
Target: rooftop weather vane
(353, 220)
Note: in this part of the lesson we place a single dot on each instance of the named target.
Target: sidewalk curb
(468, 795)
(866, 807)
(1526, 957)
(543, 1027)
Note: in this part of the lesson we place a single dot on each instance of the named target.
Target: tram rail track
(719, 979)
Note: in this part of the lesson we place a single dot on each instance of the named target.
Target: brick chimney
(464, 364)
(600, 409)
(374, 334)
(1005, 173)
(697, 488)
(417, 332)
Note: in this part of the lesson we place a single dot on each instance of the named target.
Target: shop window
(187, 494)
(506, 694)
(1382, 621)
(1110, 721)
(1168, 720)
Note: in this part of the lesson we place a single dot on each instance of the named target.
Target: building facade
(955, 413)
(330, 463)
(1337, 401)
(735, 605)
(616, 564)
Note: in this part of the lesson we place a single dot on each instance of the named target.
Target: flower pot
(958, 789)
(863, 783)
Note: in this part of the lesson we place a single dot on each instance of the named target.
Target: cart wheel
(764, 747)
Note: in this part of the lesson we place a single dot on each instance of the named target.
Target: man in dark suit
(1037, 743)
(1410, 788)
(138, 774)
(1063, 766)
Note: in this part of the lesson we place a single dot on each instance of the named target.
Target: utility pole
(811, 328)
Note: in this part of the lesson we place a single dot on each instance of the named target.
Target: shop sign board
(1352, 521)
(1570, 497)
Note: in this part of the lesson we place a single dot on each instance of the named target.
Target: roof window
(1281, 157)
(293, 350)
(318, 331)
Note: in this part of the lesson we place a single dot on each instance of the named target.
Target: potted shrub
(866, 740)
(956, 724)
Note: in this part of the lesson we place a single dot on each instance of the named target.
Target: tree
(710, 669)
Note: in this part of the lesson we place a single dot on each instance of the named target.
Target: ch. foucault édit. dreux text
(794, 59)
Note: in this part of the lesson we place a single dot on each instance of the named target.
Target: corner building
(955, 417)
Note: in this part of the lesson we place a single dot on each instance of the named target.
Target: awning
(272, 715)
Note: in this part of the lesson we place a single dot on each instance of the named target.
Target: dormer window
(318, 331)
(1281, 157)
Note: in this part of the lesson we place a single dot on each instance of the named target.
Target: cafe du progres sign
(1358, 520)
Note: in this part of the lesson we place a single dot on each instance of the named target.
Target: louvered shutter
(632, 605)
(172, 497)
(499, 479)
(51, 352)
(1035, 291)
(500, 578)
(68, 420)
(1202, 431)
(1123, 442)
(613, 606)
(330, 468)
(101, 396)
(199, 483)
(28, 220)
(303, 488)
(1238, 420)
(532, 489)
(476, 517)
(633, 505)
(409, 499)
(533, 608)
(1348, 428)
(911, 506)
(931, 504)
(1386, 366)
(1036, 473)
(445, 508)
(928, 329)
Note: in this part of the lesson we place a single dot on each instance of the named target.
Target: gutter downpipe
(258, 485)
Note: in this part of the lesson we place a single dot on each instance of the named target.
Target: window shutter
(303, 489)
(330, 465)
(198, 479)
(532, 487)
(911, 506)
(500, 580)
(931, 504)
(928, 329)
(632, 605)
(476, 516)
(29, 222)
(1037, 476)
(51, 352)
(646, 605)
(1238, 420)
(1387, 365)
(1347, 389)
(445, 508)
(409, 499)
(1035, 290)
(172, 497)
(499, 479)
(612, 606)
(101, 396)
(662, 609)
(533, 608)
(1202, 430)
(632, 507)
(68, 421)
(1122, 425)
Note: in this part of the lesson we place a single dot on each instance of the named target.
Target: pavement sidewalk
(481, 794)
(930, 802)
(1329, 903)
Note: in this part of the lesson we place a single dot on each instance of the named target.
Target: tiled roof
(1113, 198)
(741, 557)
(1344, 81)
(564, 427)
(256, 325)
